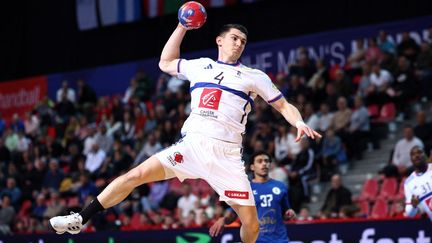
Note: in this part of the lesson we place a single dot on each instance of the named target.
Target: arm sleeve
(265, 88)
(187, 68)
(410, 211)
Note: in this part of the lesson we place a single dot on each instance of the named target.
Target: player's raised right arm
(171, 51)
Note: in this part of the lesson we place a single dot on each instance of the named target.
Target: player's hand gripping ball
(192, 15)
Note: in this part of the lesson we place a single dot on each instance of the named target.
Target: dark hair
(227, 28)
(254, 155)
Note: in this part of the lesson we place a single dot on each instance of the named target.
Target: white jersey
(419, 185)
(222, 95)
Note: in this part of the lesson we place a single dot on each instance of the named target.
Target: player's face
(261, 165)
(232, 44)
(418, 157)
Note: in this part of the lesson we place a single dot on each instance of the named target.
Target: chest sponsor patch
(428, 202)
(210, 98)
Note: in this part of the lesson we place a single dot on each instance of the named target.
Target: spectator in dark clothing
(423, 130)
(87, 188)
(65, 108)
(86, 94)
(7, 214)
(2, 125)
(12, 191)
(404, 86)
(303, 166)
(295, 87)
(17, 124)
(4, 153)
(336, 198)
(408, 47)
(331, 97)
(53, 176)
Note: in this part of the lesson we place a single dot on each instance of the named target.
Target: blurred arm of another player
(218, 227)
(293, 116)
(169, 59)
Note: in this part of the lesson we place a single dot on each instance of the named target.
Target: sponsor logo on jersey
(176, 158)
(237, 194)
(210, 98)
(428, 203)
(276, 190)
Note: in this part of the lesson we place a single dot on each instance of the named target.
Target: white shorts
(217, 162)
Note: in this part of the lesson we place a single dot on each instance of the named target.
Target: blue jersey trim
(425, 196)
(178, 65)
(232, 91)
(230, 64)
(275, 99)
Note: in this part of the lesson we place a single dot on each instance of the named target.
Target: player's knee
(252, 225)
(134, 176)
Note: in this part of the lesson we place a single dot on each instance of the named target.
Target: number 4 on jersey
(219, 77)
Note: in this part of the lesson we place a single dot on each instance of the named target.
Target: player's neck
(227, 60)
(260, 179)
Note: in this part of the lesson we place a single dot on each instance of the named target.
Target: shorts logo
(176, 158)
(210, 98)
(237, 194)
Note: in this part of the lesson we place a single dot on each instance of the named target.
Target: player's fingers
(306, 131)
(317, 134)
(299, 135)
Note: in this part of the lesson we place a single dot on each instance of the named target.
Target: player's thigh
(247, 214)
(150, 170)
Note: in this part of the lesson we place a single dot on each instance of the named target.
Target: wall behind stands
(38, 37)
(383, 231)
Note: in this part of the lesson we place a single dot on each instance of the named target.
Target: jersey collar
(230, 64)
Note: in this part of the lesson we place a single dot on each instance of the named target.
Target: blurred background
(82, 100)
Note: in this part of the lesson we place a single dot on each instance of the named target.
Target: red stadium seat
(175, 186)
(400, 195)
(373, 110)
(388, 189)
(25, 209)
(380, 209)
(364, 207)
(387, 113)
(370, 190)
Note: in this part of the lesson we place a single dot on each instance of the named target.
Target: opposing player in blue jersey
(271, 199)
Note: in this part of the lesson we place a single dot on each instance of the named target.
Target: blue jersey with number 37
(271, 200)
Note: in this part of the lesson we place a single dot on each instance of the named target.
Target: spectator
(86, 94)
(187, 204)
(7, 214)
(331, 97)
(303, 166)
(2, 125)
(5, 154)
(104, 140)
(407, 47)
(95, 158)
(31, 124)
(310, 117)
(404, 88)
(151, 146)
(342, 83)
(365, 82)
(333, 155)
(130, 91)
(53, 176)
(158, 190)
(423, 130)
(55, 206)
(87, 188)
(359, 129)
(424, 70)
(385, 44)
(373, 52)
(17, 124)
(13, 192)
(66, 91)
(336, 198)
(356, 58)
(127, 129)
(401, 153)
(65, 109)
(341, 118)
(324, 117)
(90, 139)
(282, 145)
(304, 215)
(40, 207)
(380, 81)
(11, 140)
(23, 143)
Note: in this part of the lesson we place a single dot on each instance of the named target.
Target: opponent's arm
(293, 116)
(171, 52)
(218, 227)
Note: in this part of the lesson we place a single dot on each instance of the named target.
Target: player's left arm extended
(293, 116)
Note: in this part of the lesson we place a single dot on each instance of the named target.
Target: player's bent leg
(148, 171)
(249, 219)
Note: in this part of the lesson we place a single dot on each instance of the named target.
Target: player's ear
(219, 41)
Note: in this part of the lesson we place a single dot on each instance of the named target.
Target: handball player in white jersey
(418, 186)
(222, 94)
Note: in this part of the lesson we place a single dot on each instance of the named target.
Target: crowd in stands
(60, 155)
